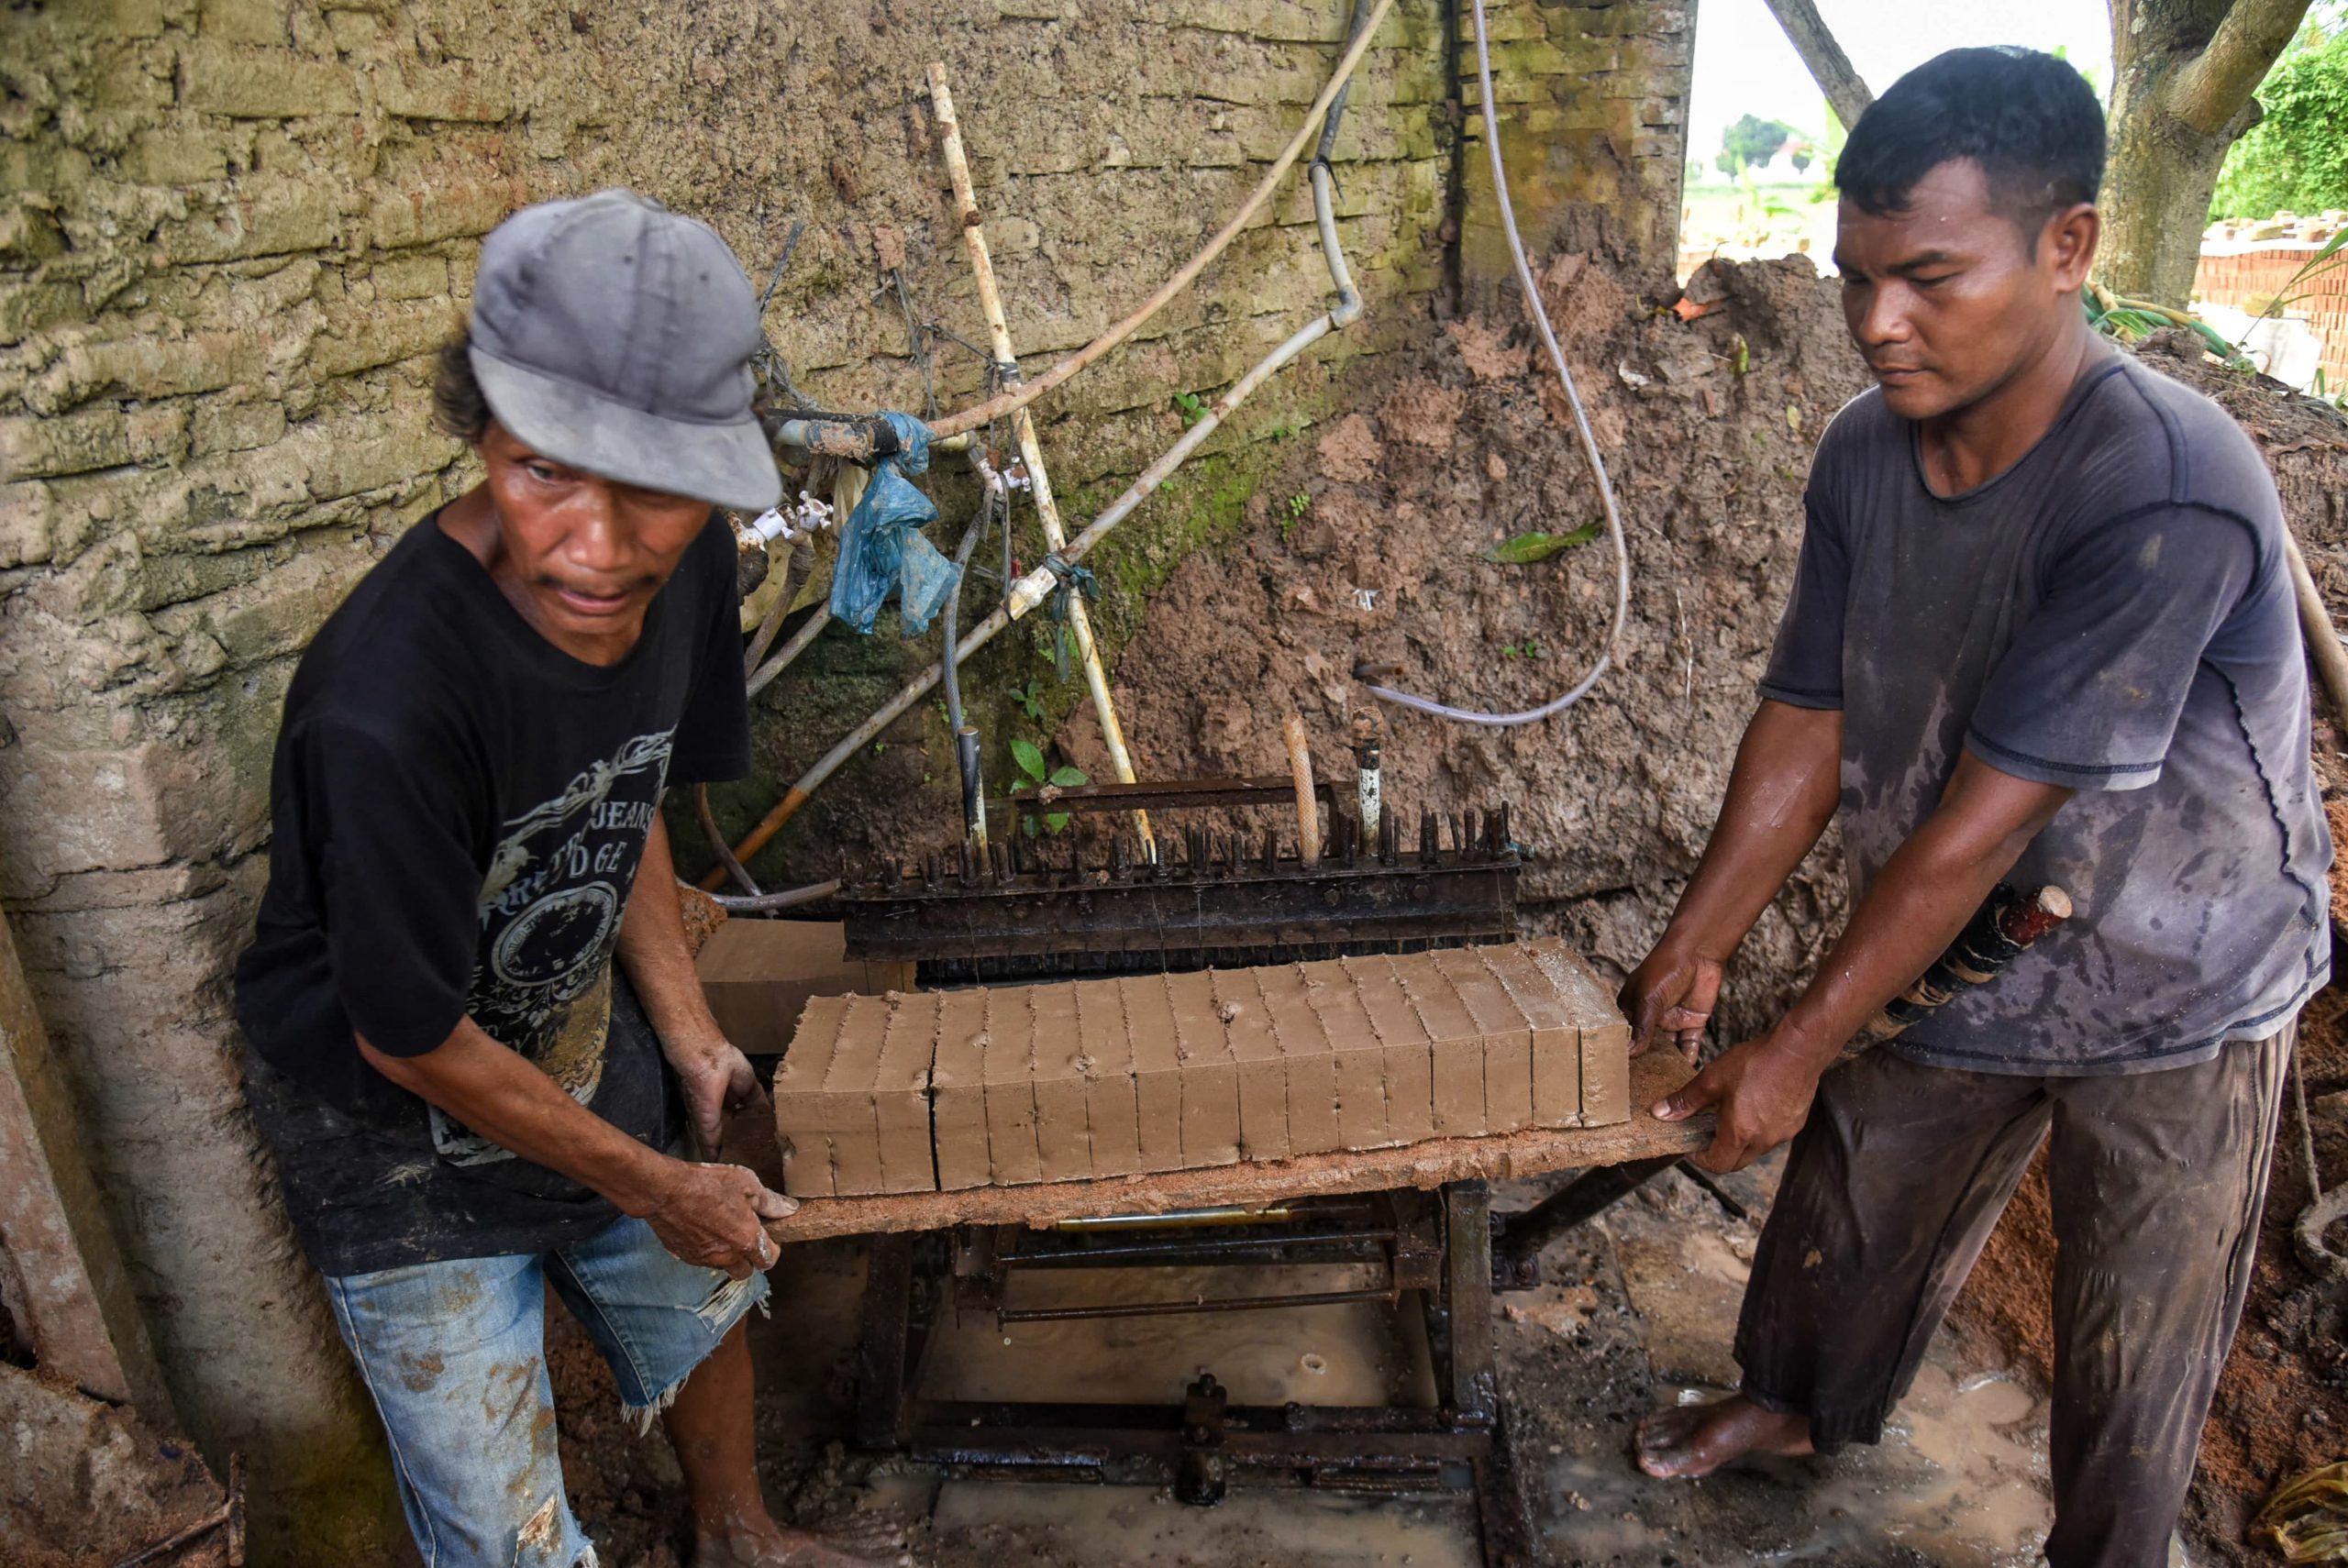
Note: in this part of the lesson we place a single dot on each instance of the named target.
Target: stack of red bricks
(947, 1090)
(2248, 265)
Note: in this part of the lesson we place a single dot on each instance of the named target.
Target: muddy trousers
(1892, 1188)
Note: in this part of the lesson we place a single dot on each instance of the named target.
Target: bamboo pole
(1023, 425)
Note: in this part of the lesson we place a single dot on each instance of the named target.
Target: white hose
(1581, 428)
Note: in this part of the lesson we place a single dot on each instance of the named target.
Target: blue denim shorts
(455, 1355)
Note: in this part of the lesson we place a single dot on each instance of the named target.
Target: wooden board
(1534, 1151)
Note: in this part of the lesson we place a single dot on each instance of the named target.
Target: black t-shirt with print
(458, 808)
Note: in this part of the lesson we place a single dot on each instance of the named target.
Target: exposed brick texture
(2252, 276)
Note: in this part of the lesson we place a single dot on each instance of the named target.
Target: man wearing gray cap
(468, 1098)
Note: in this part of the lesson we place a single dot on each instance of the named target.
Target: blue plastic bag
(883, 549)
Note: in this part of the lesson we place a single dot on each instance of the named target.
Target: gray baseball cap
(614, 335)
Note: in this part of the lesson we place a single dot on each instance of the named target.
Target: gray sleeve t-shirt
(2112, 613)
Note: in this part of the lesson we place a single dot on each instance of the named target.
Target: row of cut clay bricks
(1075, 1080)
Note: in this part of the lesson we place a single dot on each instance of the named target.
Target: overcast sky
(1744, 64)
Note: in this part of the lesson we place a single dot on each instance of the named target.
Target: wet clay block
(802, 1109)
(1263, 1074)
(1507, 1037)
(1405, 1053)
(1313, 1121)
(1111, 1107)
(1063, 1122)
(1555, 1036)
(1358, 1060)
(848, 1087)
(1148, 1011)
(1456, 1049)
(757, 976)
(1209, 1077)
(957, 1106)
(1605, 1034)
(1010, 1074)
(900, 1094)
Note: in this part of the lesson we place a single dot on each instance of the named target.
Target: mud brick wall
(231, 233)
(947, 1090)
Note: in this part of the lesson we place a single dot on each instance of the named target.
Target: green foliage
(1292, 513)
(1527, 548)
(1529, 648)
(1749, 141)
(1030, 698)
(1190, 406)
(1029, 758)
(2294, 159)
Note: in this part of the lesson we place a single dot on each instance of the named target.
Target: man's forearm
(1781, 795)
(652, 949)
(1926, 893)
(507, 1100)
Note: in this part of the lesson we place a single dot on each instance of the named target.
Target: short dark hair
(458, 405)
(2030, 121)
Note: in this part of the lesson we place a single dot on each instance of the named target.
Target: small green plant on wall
(1034, 775)
(1030, 699)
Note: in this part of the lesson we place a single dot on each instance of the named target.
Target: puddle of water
(1348, 1353)
(1960, 1478)
(1978, 1498)
(1123, 1524)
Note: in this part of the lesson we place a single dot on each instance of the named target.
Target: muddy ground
(1372, 548)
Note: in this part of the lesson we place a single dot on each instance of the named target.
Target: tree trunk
(2183, 72)
(2156, 190)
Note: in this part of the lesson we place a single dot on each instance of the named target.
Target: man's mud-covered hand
(710, 1215)
(717, 1082)
(1761, 1092)
(1671, 995)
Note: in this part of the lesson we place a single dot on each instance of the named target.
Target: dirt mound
(1706, 428)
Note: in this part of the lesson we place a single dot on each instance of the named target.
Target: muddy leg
(1889, 1193)
(2157, 1180)
(711, 1426)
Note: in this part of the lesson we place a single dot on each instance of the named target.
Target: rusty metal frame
(1440, 1243)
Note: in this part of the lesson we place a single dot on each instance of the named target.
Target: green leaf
(1069, 778)
(1030, 758)
(1526, 549)
(1056, 821)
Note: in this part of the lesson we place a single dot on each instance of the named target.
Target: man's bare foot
(1689, 1441)
(860, 1540)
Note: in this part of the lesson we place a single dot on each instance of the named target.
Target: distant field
(1720, 216)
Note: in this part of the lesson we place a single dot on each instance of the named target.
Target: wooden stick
(2315, 626)
(1308, 810)
(1023, 425)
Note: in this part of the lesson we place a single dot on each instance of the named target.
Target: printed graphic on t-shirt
(550, 912)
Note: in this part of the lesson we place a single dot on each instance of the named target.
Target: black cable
(952, 613)
(1337, 105)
